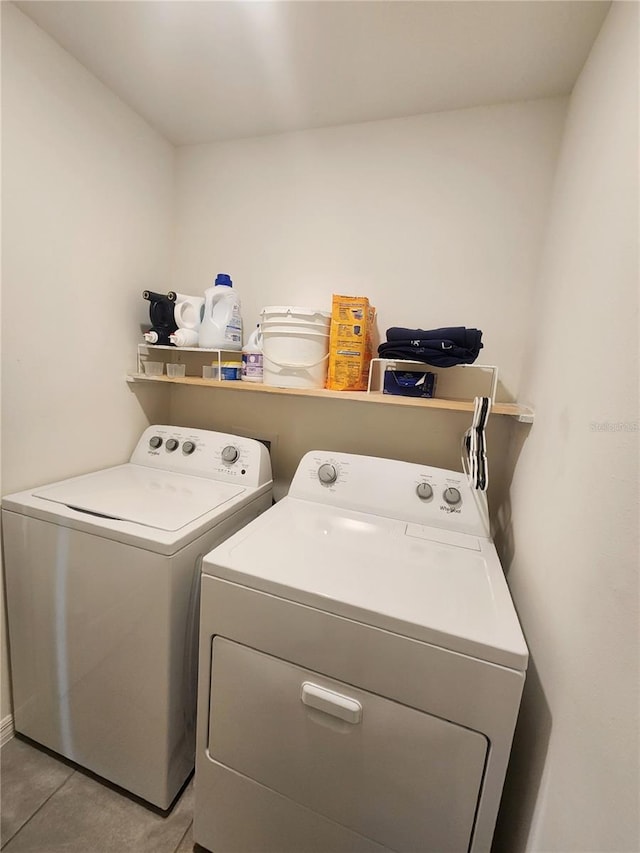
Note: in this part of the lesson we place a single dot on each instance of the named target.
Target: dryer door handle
(349, 710)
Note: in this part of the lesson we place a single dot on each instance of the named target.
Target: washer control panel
(230, 453)
(204, 453)
(424, 491)
(327, 473)
(452, 496)
(393, 489)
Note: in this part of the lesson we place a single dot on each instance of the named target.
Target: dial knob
(172, 444)
(424, 491)
(327, 474)
(452, 496)
(155, 441)
(229, 453)
(188, 447)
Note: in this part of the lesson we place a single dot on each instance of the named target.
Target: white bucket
(295, 344)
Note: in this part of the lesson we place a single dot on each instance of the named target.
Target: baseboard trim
(6, 729)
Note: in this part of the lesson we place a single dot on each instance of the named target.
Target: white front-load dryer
(361, 668)
(102, 575)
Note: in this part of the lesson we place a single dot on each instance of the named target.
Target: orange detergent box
(350, 343)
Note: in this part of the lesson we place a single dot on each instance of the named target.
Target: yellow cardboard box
(350, 343)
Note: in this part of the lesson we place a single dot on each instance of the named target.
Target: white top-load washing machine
(361, 668)
(102, 577)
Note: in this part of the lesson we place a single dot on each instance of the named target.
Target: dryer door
(406, 779)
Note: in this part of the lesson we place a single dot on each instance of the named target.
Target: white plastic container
(188, 312)
(252, 358)
(221, 326)
(184, 338)
(295, 345)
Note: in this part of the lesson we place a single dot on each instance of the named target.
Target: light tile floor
(47, 806)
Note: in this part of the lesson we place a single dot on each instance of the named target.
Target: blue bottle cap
(223, 278)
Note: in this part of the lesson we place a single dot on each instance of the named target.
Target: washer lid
(376, 571)
(154, 498)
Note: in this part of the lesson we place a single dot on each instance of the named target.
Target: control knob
(229, 453)
(424, 491)
(155, 441)
(452, 496)
(172, 444)
(327, 474)
(188, 447)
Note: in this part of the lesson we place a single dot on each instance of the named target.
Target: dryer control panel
(418, 494)
(204, 453)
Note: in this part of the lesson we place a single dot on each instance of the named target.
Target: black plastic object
(445, 347)
(161, 314)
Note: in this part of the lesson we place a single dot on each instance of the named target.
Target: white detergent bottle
(252, 357)
(184, 338)
(221, 326)
(188, 311)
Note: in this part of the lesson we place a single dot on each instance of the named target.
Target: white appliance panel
(104, 652)
(146, 496)
(399, 776)
(475, 694)
(167, 523)
(271, 823)
(367, 568)
(204, 453)
(392, 489)
(373, 590)
(101, 630)
(102, 612)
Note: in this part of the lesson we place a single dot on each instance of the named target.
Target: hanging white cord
(474, 446)
(474, 460)
(482, 442)
(464, 455)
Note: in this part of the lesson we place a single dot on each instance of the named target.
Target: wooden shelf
(522, 413)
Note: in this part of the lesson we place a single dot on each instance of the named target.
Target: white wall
(87, 192)
(438, 219)
(575, 508)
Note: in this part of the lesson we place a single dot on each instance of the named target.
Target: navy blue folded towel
(440, 347)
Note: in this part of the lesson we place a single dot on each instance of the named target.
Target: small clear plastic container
(176, 370)
(210, 371)
(153, 368)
